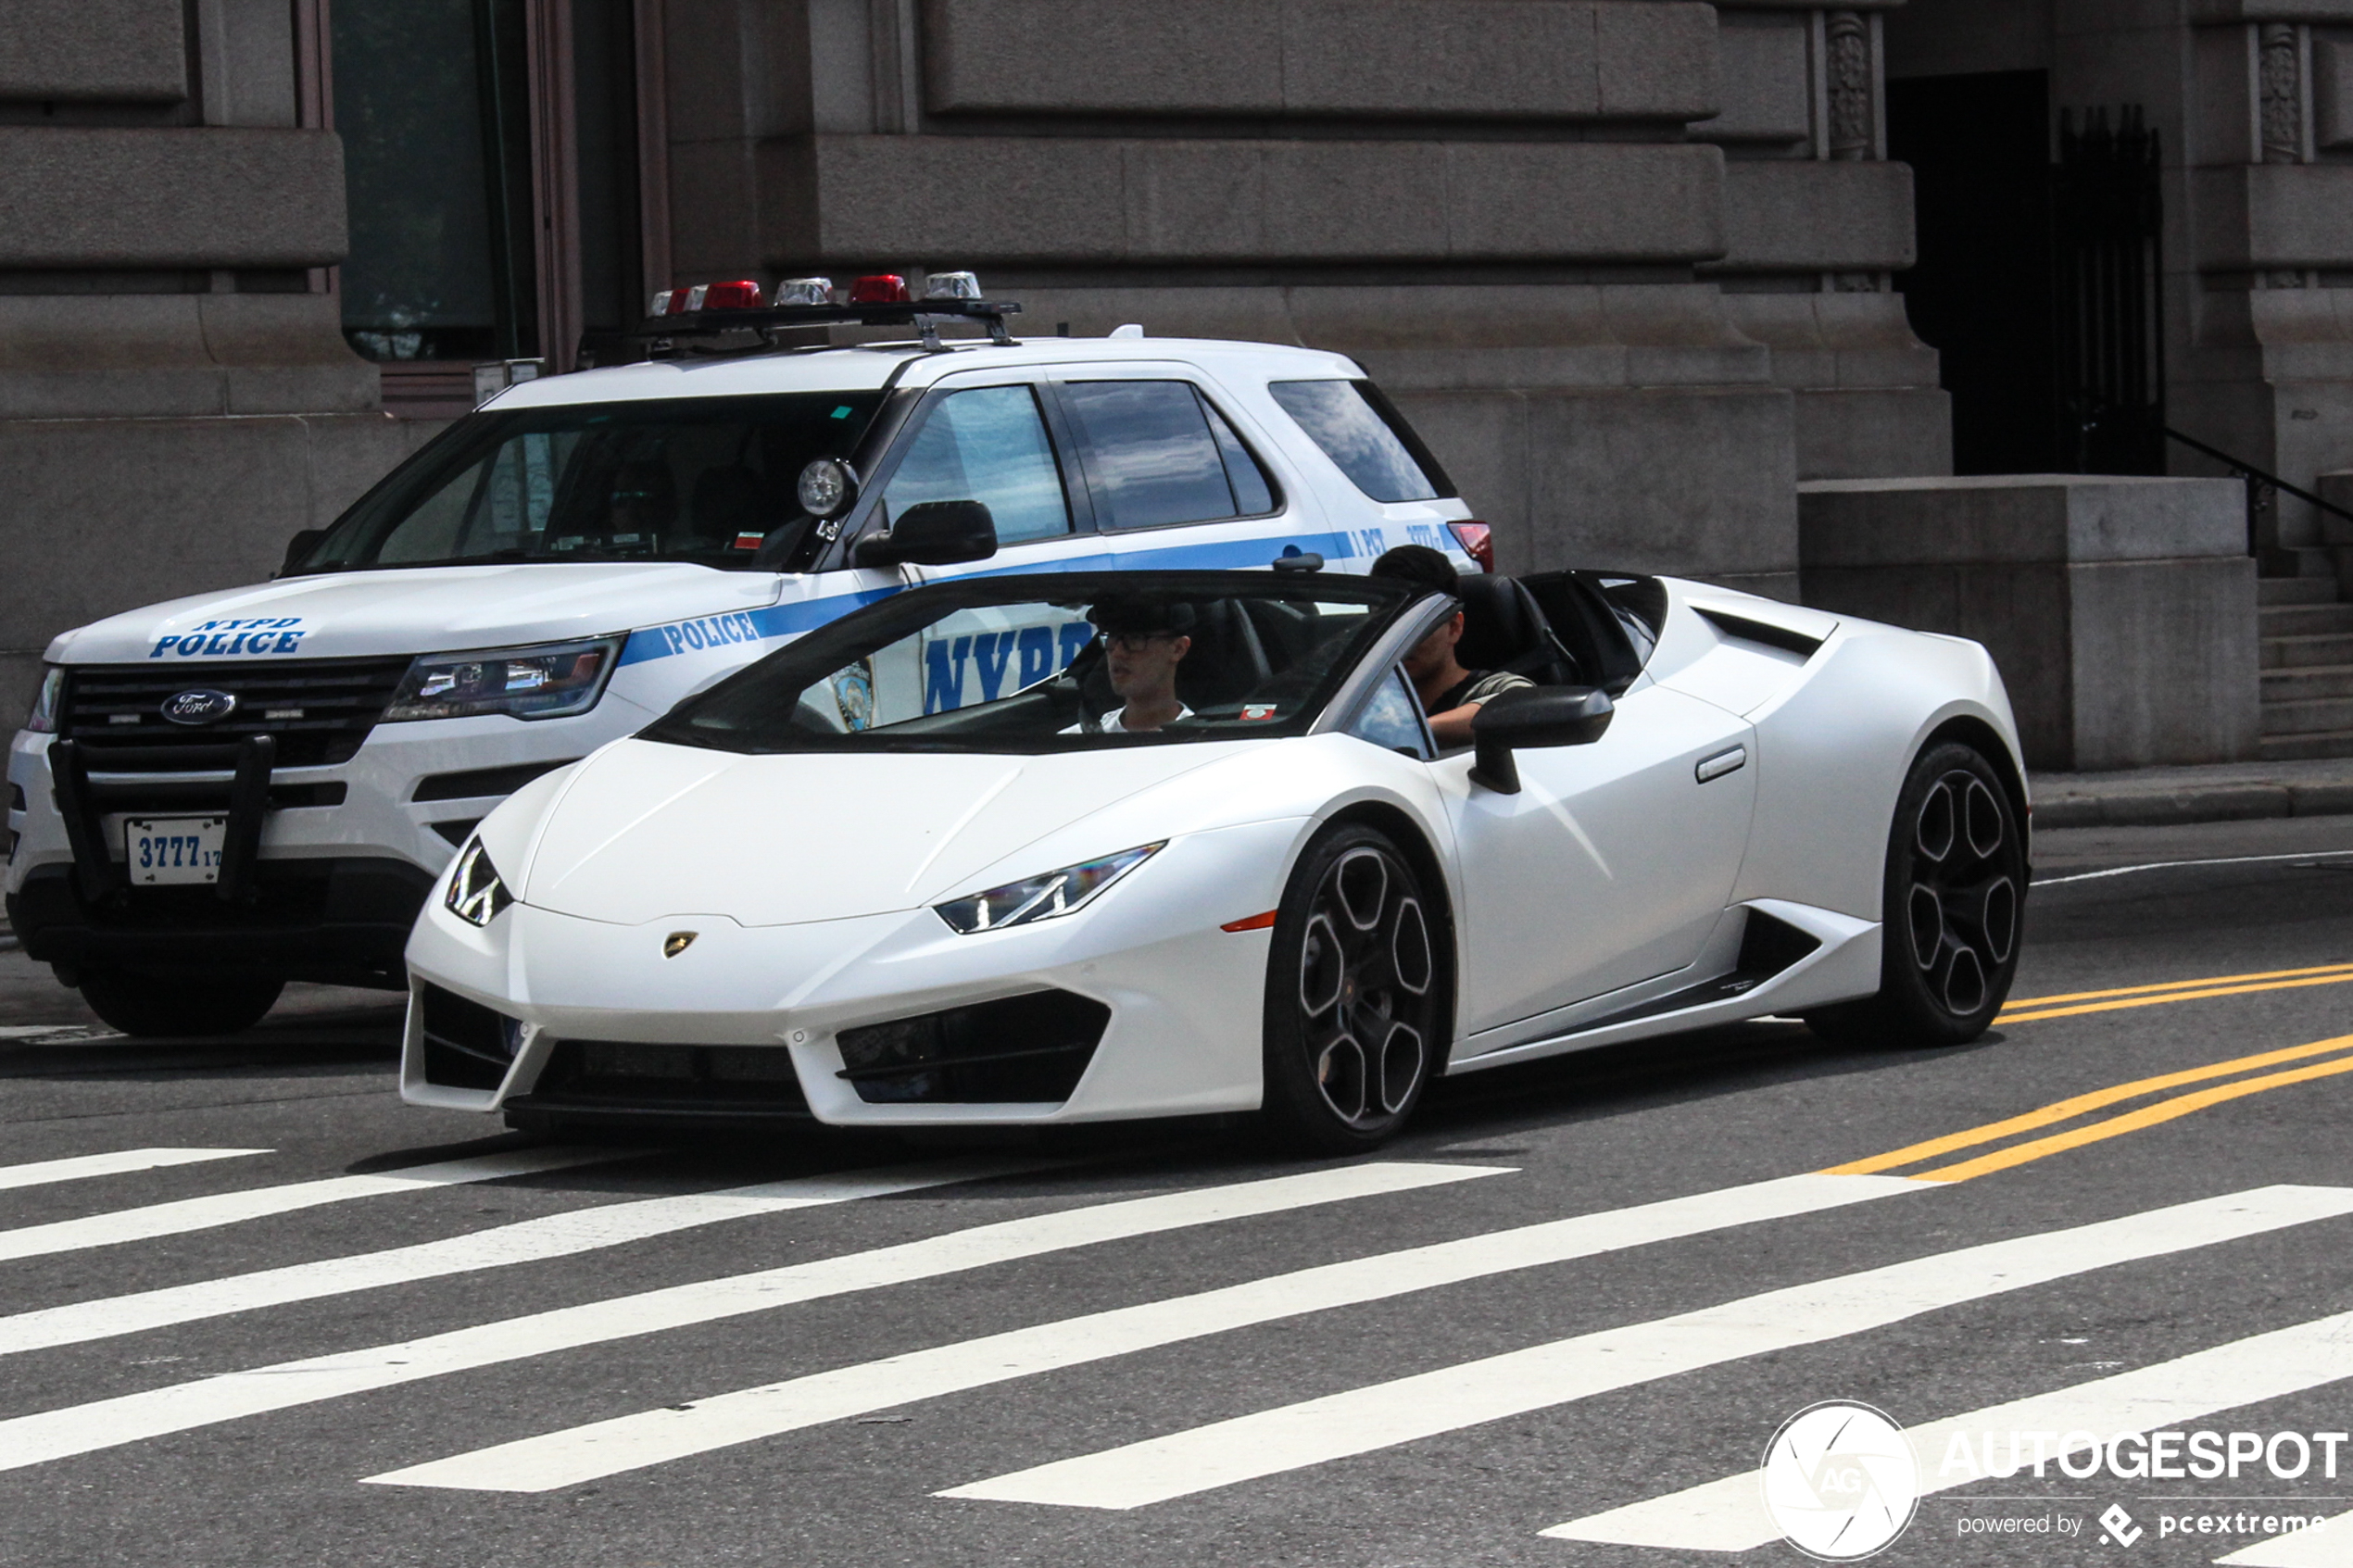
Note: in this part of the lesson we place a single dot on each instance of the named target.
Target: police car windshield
(1066, 662)
(704, 479)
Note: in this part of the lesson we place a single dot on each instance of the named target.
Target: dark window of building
(1153, 458)
(1980, 147)
(613, 282)
(432, 100)
(1364, 437)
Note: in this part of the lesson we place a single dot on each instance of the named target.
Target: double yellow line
(2338, 1052)
(2036, 1008)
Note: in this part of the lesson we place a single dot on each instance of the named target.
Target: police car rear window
(709, 480)
(1358, 431)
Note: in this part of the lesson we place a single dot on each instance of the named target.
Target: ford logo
(202, 706)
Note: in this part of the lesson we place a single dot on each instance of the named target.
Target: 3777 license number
(164, 850)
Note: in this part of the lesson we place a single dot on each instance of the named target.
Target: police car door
(995, 438)
(1177, 478)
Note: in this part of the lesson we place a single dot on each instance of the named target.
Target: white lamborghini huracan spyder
(927, 865)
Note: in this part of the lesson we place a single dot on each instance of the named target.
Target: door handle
(1723, 763)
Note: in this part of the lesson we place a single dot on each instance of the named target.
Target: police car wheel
(1952, 910)
(1355, 988)
(173, 1007)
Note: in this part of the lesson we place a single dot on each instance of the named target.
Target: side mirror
(1541, 716)
(936, 534)
(301, 545)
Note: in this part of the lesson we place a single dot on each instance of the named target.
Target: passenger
(1143, 642)
(1450, 695)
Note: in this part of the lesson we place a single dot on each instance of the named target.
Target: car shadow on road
(1610, 1080)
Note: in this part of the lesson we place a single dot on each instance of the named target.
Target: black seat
(1504, 628)
(728, 501)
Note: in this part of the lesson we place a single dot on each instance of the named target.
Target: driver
(1144, 639)
(642, 505)
(1450, 695)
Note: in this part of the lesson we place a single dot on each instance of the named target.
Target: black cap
(1140, 615)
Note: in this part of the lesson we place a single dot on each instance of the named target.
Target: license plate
(163, 850)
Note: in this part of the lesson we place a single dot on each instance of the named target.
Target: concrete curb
(2226, 793)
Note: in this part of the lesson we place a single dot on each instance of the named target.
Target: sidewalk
(2222, 792)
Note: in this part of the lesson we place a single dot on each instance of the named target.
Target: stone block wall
(2120, 611)
(1625, 262)
(175, 394)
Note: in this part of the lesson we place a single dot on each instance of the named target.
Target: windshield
(703, 479)
(1054, 663)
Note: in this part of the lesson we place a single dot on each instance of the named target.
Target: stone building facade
(1633, 266)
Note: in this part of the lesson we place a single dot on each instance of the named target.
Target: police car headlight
(476, 895)
(43, 718)
(1041, 897)
(548, 681)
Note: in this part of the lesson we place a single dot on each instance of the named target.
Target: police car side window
(1363, 437)
(986, 443)
(1156, 453)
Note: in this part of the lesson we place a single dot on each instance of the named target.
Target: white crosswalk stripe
(2327, 1545)
(527, 1241)
(1363, 1420)
(1728, 1515)
(80, 1167)
(229, 1208)
(105, 1423)
(631, 1442)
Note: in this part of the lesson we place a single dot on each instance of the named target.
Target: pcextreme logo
(1840, 1481)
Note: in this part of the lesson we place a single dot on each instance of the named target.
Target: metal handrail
(2258, 483)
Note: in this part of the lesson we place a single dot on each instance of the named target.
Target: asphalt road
(1152, 1348)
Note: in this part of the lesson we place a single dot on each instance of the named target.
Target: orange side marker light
(1255, 922)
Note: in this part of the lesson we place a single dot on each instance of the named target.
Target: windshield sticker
(232, 639)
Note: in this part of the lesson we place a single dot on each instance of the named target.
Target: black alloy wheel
(154, 1007)
(1955, 895)
(1354, 993)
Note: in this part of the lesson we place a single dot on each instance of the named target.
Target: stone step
(2309, 745)
(2296, 590)
(2298, 653)
(2308, 684)
(2298, 560)
(2305, 716)
(2300, 621)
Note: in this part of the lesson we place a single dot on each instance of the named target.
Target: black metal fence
(2109, 335)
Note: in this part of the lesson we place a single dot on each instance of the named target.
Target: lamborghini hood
(648, 830)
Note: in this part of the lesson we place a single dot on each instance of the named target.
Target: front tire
(150, 1006)
(1354, 997)
(1953, 907)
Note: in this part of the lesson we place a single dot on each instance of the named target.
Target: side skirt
(1794, 957)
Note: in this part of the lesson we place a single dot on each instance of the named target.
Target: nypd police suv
(219, 794)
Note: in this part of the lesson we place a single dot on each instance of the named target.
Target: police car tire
(1328, 1092)
(171, 1008)
(1952, 910)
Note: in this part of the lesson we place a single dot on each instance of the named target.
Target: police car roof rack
(924, 315)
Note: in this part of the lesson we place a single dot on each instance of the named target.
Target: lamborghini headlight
(546, 680)
(1041, 897)
(476, 893)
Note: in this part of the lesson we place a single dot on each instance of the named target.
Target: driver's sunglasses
(1137, 642)
(634, 495)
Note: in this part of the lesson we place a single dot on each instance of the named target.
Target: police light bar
(880, 299)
